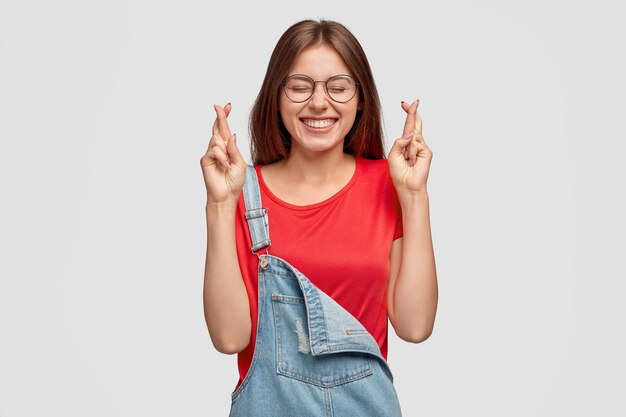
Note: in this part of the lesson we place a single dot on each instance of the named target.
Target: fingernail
(402, 102)
(418, 101)
(227, 104)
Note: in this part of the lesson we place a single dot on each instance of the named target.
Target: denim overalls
(312, 357)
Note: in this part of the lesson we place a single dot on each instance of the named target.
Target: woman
(352, 222)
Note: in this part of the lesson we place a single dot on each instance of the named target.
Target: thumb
(233, 151)
(401, 143)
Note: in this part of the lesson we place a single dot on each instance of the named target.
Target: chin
(318, 144)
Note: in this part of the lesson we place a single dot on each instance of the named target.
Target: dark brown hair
(270, 140)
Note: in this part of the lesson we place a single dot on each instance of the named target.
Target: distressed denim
(311, 357)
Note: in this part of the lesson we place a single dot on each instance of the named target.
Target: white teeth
(319, 123)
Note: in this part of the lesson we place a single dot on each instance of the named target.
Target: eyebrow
(332, 76)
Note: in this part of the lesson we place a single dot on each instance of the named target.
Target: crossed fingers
(412, 124)
(220, 136)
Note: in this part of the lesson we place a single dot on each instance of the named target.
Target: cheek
(283, 115)
(287, 119)
(286, 108)
(350, 117)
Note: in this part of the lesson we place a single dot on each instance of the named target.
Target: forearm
(415, 293)
(226, 304)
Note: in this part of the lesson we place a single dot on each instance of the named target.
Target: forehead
(319, 62)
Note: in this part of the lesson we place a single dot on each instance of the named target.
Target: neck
(317, 167)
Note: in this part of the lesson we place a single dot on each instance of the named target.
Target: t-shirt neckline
(343, 190)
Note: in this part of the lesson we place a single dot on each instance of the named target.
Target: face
(318, 124)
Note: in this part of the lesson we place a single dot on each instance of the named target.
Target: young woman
(350, 224)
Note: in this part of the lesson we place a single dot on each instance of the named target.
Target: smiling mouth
(319, 124)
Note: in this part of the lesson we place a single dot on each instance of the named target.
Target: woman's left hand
(409, 157)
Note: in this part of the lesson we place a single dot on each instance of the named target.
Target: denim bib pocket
(294, 358)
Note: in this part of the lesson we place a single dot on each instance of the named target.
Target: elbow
(229, 336)
(230, 347)
(417, 335)
(228, 341)
(414, 327)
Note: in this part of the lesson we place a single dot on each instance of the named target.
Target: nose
(319, 99)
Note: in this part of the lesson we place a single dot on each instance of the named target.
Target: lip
(318, 118)
(319, 130)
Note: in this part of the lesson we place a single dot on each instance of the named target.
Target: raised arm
(413, 290)
(226, 304)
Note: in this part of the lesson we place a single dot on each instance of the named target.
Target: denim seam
(329, 402)
(287, 299)
(278, 320)
(367, 371)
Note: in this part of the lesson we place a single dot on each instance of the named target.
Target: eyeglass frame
(356, 85)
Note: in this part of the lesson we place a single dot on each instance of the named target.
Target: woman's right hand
(223, 166)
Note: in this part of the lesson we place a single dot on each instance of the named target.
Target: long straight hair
(270, 140)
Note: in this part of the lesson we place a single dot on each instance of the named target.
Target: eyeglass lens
(340, 88)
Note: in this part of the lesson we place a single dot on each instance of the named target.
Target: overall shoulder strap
(256, 215)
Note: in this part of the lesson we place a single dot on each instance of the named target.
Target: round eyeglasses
(340, 88)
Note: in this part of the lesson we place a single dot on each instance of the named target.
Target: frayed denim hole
(304, 345)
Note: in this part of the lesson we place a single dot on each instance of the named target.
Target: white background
(105, 111)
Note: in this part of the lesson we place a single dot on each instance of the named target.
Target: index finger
(411, 118)
(418, 122)
(222, 122)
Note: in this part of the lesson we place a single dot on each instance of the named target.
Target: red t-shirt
(341, 245)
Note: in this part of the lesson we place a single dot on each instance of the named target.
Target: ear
(360, 106)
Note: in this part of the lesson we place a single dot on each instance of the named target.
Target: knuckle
(219, 153)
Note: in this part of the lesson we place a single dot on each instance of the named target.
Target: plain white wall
(105, 111)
